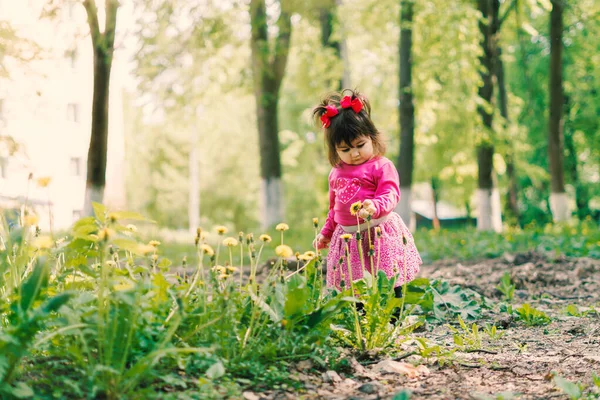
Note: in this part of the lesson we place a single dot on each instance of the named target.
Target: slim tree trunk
(558, 196)
(327, 16)
(268, 68)
(103, 44)
(582, 197)
(434, 201)
(326, 19)
(485, 150)
(406, 110)
(511, 198)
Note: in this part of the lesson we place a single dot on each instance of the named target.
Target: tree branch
(507, 12)
(92, 14)
(111, 24)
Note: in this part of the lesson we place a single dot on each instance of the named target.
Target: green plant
(506, 287)
(492, 332)
(466, 338)
(532, 316)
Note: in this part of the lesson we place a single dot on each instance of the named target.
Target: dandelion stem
(356, 318)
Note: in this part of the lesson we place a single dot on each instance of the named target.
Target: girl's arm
(387, 194)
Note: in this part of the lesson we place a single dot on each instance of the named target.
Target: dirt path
(519, 364)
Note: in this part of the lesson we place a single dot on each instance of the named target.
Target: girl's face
(357, 152)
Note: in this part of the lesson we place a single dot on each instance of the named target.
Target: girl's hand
(368, 209)
(321, 242)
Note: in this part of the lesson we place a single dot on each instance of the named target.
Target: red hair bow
(355, 104)
(330, 111)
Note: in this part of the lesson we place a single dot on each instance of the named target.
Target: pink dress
(394, 252)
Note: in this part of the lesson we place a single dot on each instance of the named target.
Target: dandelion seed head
(284, 251)
(282, 227)
(230, 242)
(206, 249)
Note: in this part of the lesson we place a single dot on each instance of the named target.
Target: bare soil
(520, 364)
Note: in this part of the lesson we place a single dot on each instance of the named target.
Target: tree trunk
(327, 15)
(103, 44)
(558, 196)
(434, 201)
(405, 161)
(511, 195)
(194, 177)
(485, 150)
(582, 197)
(268, 71)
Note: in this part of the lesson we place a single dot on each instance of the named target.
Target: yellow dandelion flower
(132, 228)
(31, 220)
(206, 249)
(111, 263)
(231, 269)
(223, 276)
(154, 243)
(146, 249)
(355, 207)
(316, 222)
(44, 181)
(284, 251)
(282, 227)
(307, 256)
(154, 257)
(221, 230)
(105, 233)
(310, 254)
(230, 242)
(346, 236)
(219, 269)
(43, 242)
(265, 238)
(378, 231)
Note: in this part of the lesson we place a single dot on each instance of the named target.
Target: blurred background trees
(470, 89)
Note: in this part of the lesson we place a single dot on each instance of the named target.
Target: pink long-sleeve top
(376, 180)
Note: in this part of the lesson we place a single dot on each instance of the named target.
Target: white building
(45, 106)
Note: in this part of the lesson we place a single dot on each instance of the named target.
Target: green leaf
(99, 211)
(32, 287)
(571, 389)
(56, 302)
(22, 391)
(402, 395)
(129, 215)
(216, 371)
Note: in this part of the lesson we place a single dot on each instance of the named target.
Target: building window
(77, 214)
(73, 112)
(75, 166)
(3, 167)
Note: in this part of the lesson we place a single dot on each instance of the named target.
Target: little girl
(361, 173)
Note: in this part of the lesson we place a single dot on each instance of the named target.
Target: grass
(572, 240)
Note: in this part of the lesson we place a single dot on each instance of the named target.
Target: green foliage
(531, 316)
(440, 301)
(506, 287)
(574, 240)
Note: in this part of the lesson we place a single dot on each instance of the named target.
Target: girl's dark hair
(347, 125)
